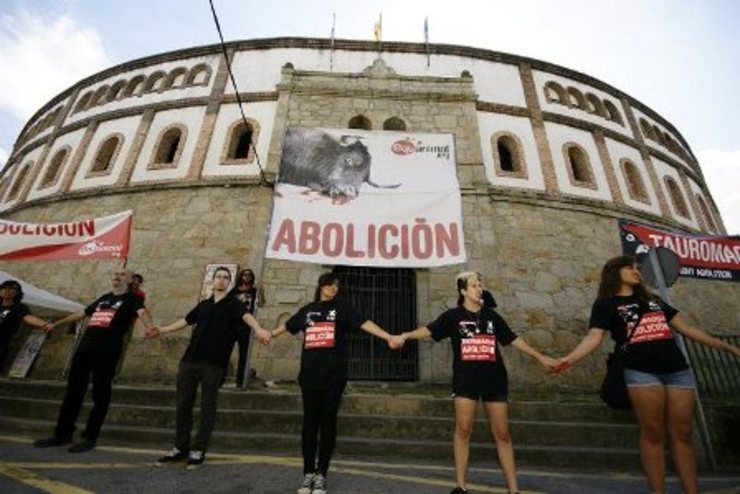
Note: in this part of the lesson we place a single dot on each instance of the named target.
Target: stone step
(243, 442)
(546, 433)
(577, 408)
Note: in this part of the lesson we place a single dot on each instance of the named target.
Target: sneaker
(52, 441)
(195, 459)
(83, 446)
(307, 484)
(171, 457)
(459, 490)
(319, 484)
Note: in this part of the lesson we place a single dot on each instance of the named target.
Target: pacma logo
(404, 147)
(96, 246)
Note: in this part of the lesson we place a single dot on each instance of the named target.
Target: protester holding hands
(478, 372)
(326, 324)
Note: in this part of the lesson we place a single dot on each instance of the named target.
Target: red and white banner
(98, 238)
(702, 256)
(354, 197)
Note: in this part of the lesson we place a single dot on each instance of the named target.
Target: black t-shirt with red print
(652, 346)
(478, 365)
(111, 316)
(11, 317)
(326, 326)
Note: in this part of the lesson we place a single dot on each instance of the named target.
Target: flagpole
(426, 38)
(331, 51)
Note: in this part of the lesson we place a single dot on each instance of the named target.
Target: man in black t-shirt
(111, 316)
(204, 364)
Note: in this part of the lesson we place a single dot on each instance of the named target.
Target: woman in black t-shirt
(12, 314)
(326, 323)
(478, 372)
(659, 381)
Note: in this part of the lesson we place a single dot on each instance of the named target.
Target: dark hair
(488, 301)
(243, 272)
(15, 286)
(325, 279)
(138, 277)
(611, 281)
(221, 268)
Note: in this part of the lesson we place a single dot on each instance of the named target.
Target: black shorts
(484, 397)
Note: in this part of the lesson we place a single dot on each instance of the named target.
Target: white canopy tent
(33, 295)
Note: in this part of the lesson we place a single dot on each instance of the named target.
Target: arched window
(134, 86)
(576, 98)
(613, 113)
(555, 93)
(595, 105)
(679, 203)
(658, 135)
(708, 220)
(360, 122)
(106, 155)
(578, 165)
(635, 184)
(199, 75)
(100, 94)
(19, 181)
(55, 167)
(169, 148)
(647, 129)
(394, 123)
(240, 142)
(115, 91)
(154, 82)
(83, 102)
(507, 156)
(176, 78)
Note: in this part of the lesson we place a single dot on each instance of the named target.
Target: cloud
(722, 173)
(41, 57)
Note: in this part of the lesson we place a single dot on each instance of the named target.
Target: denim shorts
(683, 379)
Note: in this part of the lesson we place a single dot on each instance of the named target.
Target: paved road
(109, 469)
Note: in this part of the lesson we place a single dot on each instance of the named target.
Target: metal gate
(387, 297)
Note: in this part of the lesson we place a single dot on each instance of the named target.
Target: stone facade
(539, 242)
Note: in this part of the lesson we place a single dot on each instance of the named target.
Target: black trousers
(320, 409)
(189, 376)
(102, 367)
(242, 340)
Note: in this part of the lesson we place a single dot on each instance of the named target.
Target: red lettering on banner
(320, 335)
(79, 229)
(419, 240)
(653, 326)
(480, 348)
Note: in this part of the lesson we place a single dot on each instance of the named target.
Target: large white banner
(354, 197)
(94, 238)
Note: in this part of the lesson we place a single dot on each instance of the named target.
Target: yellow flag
(378, 29)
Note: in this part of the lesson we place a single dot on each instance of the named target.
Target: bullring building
(547, 159)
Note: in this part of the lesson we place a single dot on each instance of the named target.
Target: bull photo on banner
(354, 197)
(708, 257)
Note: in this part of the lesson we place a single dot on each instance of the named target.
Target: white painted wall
(696, 191)
(663, 169)
(540, 78)
(72, 140)
(492, 123)
(494, 82)
(655, 145)
(127, 127)
(264, 113)
(192, 119)
(557, 136)
(619, 151)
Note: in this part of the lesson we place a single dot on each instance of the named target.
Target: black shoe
(173, 456)
(195, 459)
(83, 446)
(459, 490)
(52, 441)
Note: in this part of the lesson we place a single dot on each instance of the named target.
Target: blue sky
(680, 57)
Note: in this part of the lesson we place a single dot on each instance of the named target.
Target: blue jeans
(682, 379)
